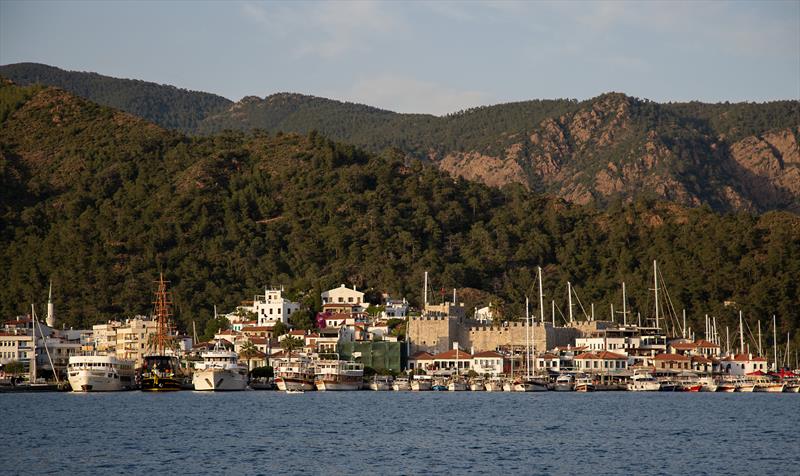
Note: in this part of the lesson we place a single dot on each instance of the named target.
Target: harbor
(440, 349)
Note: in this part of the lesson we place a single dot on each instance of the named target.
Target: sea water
(262, 432)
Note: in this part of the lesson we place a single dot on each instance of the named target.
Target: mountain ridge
(741, 156)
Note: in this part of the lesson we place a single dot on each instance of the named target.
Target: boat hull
(334, 386)
(746, 388)
(493, 387)
(584, 387)
(456, 387)
(380, 386)
(292, 384)
(563, 387)
(726, 388)
(219, 380)
(477, 387)
(771, 388)
(644, 386)
(93, 381)
(420, 386)
(165, 384)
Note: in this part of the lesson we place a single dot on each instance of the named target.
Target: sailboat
(162, 370)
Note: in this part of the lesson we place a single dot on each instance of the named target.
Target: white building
(395, 309)
(743, 364)
(344, 297)
(484, 314)
(488, 362)
(272, 307)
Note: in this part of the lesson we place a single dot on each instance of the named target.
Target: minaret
(51, 317)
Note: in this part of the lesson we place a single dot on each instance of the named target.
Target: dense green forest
(100, 201)
(168, 106)
(601, 150)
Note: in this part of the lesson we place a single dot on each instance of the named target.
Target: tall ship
(161, 370)
(220, 370)
(294, 373)
(100, 373)
(338, 374)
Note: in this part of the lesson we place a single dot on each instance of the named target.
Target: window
(350, 299)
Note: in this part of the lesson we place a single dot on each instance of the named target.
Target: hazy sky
(434, 57)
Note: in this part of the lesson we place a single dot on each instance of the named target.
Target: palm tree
(289, 344)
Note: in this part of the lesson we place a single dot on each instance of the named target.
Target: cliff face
(618, 148)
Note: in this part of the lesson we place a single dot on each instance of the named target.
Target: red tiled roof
(673, 357)
(453, 354)
(297, 333)
(699, 359)
(684, 345)
(256, 328)
(421, 355)
(745, 358)
(604, 355)
(706, 344)
(488, 353)
(548, 356)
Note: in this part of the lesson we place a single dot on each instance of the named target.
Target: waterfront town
(390, 345)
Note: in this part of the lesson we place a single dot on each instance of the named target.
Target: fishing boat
(457, 384)
(584, 384)
(161, 370)
(439, 386)
(421, 383)
(564, 383)
(708, 384)
(401, 385)
(295, 391)
(99, 373)
(220, 371)
(380, 383)
(294, 373)
(745, 385)
(477, 385)
(643, 381)
(493, 385)
(726, 385)
(769, 386)
(338, 375)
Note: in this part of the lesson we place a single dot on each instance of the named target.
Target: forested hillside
(100, 201)
(168, 106)
(731, 157)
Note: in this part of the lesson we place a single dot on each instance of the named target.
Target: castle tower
(51, 317)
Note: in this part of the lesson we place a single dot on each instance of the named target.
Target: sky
(430, 57)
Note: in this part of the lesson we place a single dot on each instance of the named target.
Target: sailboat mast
(541, 297)
(624, 306)
(32, 364)
(759, 338)
(741, 334)
(775, 342)
(655, 289)
(569, 299)
(527, 339)
(425, 292)
(683, 328)
(553, 308)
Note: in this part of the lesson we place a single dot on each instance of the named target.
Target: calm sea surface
(400, 433)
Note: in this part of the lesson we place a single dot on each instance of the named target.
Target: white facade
(345, 296)
(487, 363)
(272, 307)
(484, 314)
(15, 345)
(619, 345)
(395, 309)
(743, 364)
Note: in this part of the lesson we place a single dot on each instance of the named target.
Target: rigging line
(561, 314)
(575, 293)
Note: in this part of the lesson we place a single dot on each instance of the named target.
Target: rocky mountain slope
(599, 151)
